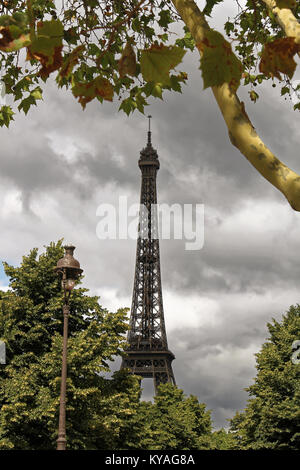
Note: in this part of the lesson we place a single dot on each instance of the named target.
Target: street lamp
(68, 268)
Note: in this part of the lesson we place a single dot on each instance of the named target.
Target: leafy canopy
(128, 49)
(99, 409)
(173, 421)
(271, 417)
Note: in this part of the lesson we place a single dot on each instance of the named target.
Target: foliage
(98, 49)
(112, 48)
(271, 419)
(173, 421)
(222, 440)
(98, 409)
(256, 34)
(219, 64)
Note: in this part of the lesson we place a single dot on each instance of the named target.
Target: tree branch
(241, 131)
(286, 19)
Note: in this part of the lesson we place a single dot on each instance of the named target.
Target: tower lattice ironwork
(148, 354)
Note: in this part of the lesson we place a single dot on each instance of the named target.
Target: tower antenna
(149, 130)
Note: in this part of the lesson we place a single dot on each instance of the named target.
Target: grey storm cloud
(59, 163)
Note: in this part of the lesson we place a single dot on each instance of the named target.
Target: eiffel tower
(148, 354)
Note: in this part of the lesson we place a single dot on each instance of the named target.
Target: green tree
(173, 421)
(125, 49)
(271, 419)
(222, 440)
(99, 409)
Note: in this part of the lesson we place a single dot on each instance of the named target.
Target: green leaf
(37, 93)
(209, 6)
(49, 36)
(218, 63)
(285, 90)
(140, 101)
(186, 42)
(253, 95)
(165, 18)
(175, 85)
(26, 103)
(126, 106)
(229, 27)
(136, 24)
(157, 62)
(6, 115)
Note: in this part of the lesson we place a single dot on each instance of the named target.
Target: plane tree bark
(241, 131)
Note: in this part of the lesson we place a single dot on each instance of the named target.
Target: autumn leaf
(157, 62)
(14, 32)
(9, 44)
(86, 92)
(46, 46)
(70, 62)
(127, 62)
(218, 63)
(278, 56)
(56, 62)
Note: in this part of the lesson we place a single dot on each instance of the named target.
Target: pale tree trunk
(240, 129)
(286, 19)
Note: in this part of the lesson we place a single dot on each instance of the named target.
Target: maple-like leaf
(70, 62)
(127, 62)
(278, 57)
(157, 62)
(86, 92)
(46, 46)
(218, 63)
(6, 115)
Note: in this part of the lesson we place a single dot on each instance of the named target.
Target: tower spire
(149, 130)
(148, 354)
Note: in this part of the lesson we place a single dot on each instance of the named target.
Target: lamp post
(68, 268)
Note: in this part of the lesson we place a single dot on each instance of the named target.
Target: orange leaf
(70, 62)
(278, 56)
(86, 92)
(127, 63)
(47, 68)
(10, 42)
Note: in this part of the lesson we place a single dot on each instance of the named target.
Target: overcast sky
(60, 163)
